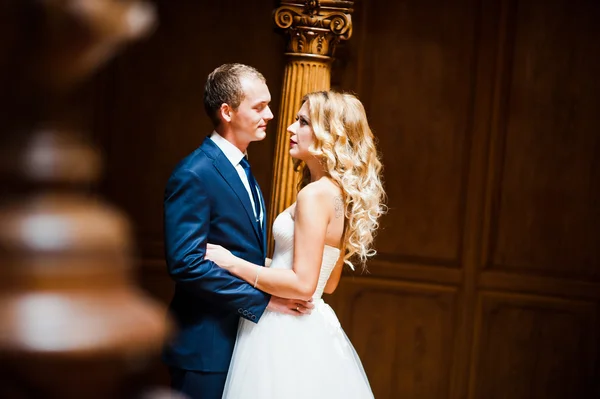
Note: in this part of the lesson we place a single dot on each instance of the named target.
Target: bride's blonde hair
(345, 146)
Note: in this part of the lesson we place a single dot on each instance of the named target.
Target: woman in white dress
(332, 222)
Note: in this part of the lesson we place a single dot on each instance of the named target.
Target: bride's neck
(316, 170)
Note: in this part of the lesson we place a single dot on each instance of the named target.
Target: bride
(332, 222)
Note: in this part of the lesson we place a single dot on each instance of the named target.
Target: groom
(212, 196)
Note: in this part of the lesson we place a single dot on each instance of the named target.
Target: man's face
(249, 120)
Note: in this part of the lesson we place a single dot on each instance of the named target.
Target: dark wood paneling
(400, 332)
(419, 99)
(548, 219)
(534, 347)
(487, 123)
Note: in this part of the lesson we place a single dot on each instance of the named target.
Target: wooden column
(72, 324)
(313, 29)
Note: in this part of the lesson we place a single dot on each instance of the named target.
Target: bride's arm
(311, 221)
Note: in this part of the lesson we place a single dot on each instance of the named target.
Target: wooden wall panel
(400, 332)
(534, 347)
(491, 163)
(419, 57)
(548, 219)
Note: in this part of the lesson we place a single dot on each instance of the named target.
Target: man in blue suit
(212, 196)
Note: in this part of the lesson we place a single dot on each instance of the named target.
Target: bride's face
(301, 134)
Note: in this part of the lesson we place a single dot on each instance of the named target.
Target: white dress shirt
(234, 155)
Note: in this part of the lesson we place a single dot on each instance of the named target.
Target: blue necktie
(244, 163)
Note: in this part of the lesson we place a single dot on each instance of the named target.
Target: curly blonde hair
(345, 146)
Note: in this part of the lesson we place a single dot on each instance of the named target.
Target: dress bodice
(283, 257)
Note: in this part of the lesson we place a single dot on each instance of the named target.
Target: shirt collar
(233, 154)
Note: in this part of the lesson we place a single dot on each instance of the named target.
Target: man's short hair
(223, 86)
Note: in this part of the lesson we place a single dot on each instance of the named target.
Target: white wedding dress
(296, 357)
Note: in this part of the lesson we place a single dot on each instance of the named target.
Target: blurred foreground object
(72, 324)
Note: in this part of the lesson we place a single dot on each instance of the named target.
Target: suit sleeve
(187, 226)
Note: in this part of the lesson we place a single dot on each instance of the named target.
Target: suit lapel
(228, 172)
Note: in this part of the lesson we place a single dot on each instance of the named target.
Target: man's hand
(295, 307)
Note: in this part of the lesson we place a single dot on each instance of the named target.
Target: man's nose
(269, 114)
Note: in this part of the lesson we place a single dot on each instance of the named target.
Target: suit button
(253, 317)
(245, 313)
(240, 310)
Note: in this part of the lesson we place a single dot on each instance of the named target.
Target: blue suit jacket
(206, 201)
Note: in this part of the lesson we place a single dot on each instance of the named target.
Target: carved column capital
(314, 27)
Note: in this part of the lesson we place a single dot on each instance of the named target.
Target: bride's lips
(292, 143)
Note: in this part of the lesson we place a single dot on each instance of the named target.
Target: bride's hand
(220, 256)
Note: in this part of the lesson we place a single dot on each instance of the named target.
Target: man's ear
(225, 111)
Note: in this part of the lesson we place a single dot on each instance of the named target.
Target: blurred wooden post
(72, 324)
(313, 29)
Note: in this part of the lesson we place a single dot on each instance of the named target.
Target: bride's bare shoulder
(322, 191)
